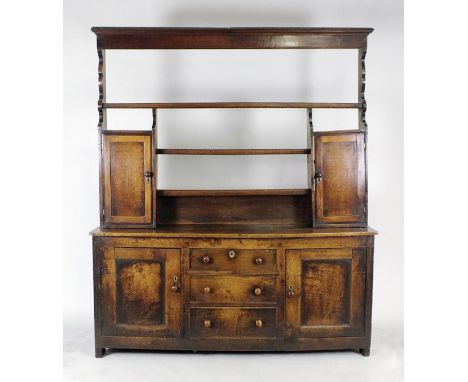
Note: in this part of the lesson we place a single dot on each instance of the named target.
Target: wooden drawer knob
(174, 288)
(259, 323)
(207, 290)
(206, 259)
(207, 323)
(259, 261)
(258, 291)
(231, 253)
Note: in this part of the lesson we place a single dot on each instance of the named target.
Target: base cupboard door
(325, 292)
(140, 289)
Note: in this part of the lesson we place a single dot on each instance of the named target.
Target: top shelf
(233, 105)
(231, 38)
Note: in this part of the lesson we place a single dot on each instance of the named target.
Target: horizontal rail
(231, 38)
(233, 105)
(233, 151)
(264, 192)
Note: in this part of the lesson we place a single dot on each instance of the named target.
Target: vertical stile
(102, 125)
(362, 87)
(154, 156)
(362, 112)
(310, 162)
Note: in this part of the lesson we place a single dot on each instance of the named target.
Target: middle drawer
(234, 289)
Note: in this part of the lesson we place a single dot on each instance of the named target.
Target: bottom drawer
(233, 322)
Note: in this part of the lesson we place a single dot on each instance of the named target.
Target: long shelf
(233, 105)
(233, 151)
(252, 192)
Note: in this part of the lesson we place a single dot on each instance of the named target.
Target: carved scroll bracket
(362, 89)
(102, 124)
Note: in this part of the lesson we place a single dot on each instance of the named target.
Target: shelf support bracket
(102, 124)
(362, 86)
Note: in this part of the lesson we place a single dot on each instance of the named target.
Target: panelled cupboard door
(340, 179)
(325, 292)
(140, 289)
(128, 179)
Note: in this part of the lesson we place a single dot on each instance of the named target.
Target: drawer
(233, 322)
(242, 261)
(234, 289)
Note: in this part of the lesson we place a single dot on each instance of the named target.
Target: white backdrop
(233, 76)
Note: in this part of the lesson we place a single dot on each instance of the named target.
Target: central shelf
(233, 151)
(243, 192)
(233, 105)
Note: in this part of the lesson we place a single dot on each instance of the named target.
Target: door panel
(325, 292)
(137, 294)
(340, 179)
(127, 193)
(325, 289)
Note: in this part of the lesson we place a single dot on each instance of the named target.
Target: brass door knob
(231, 253)
(174, 288)
(207, 290)
(148, 176)
(207, 323)
(258, 291)
(206, 259)
(291, 293)
(258, 261)
(258, 323)
(318, 177)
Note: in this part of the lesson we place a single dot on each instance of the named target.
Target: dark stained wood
(365, 350)
(233, 151)
(325, 289)
(232, 105)
(135, 284)
(285, 210)
(102, 124)
(140, 292)
(232, 344)
(154, 160)
(329, 292)
(97, 256)
(239, 192)
(241, 321)
(246, 261)
(233, 270)
(231, 38)
(234, 290)
(127, 193)
(233, 322)
(311, 163)
(362, 88)
(235, 231)
(340, 179)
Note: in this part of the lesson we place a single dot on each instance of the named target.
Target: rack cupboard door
(128, 179)
(325, 292)
(340, 179)
(140, 289)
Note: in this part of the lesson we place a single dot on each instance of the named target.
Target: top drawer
(240, 261)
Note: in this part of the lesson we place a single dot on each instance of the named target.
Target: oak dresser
(233, 270)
